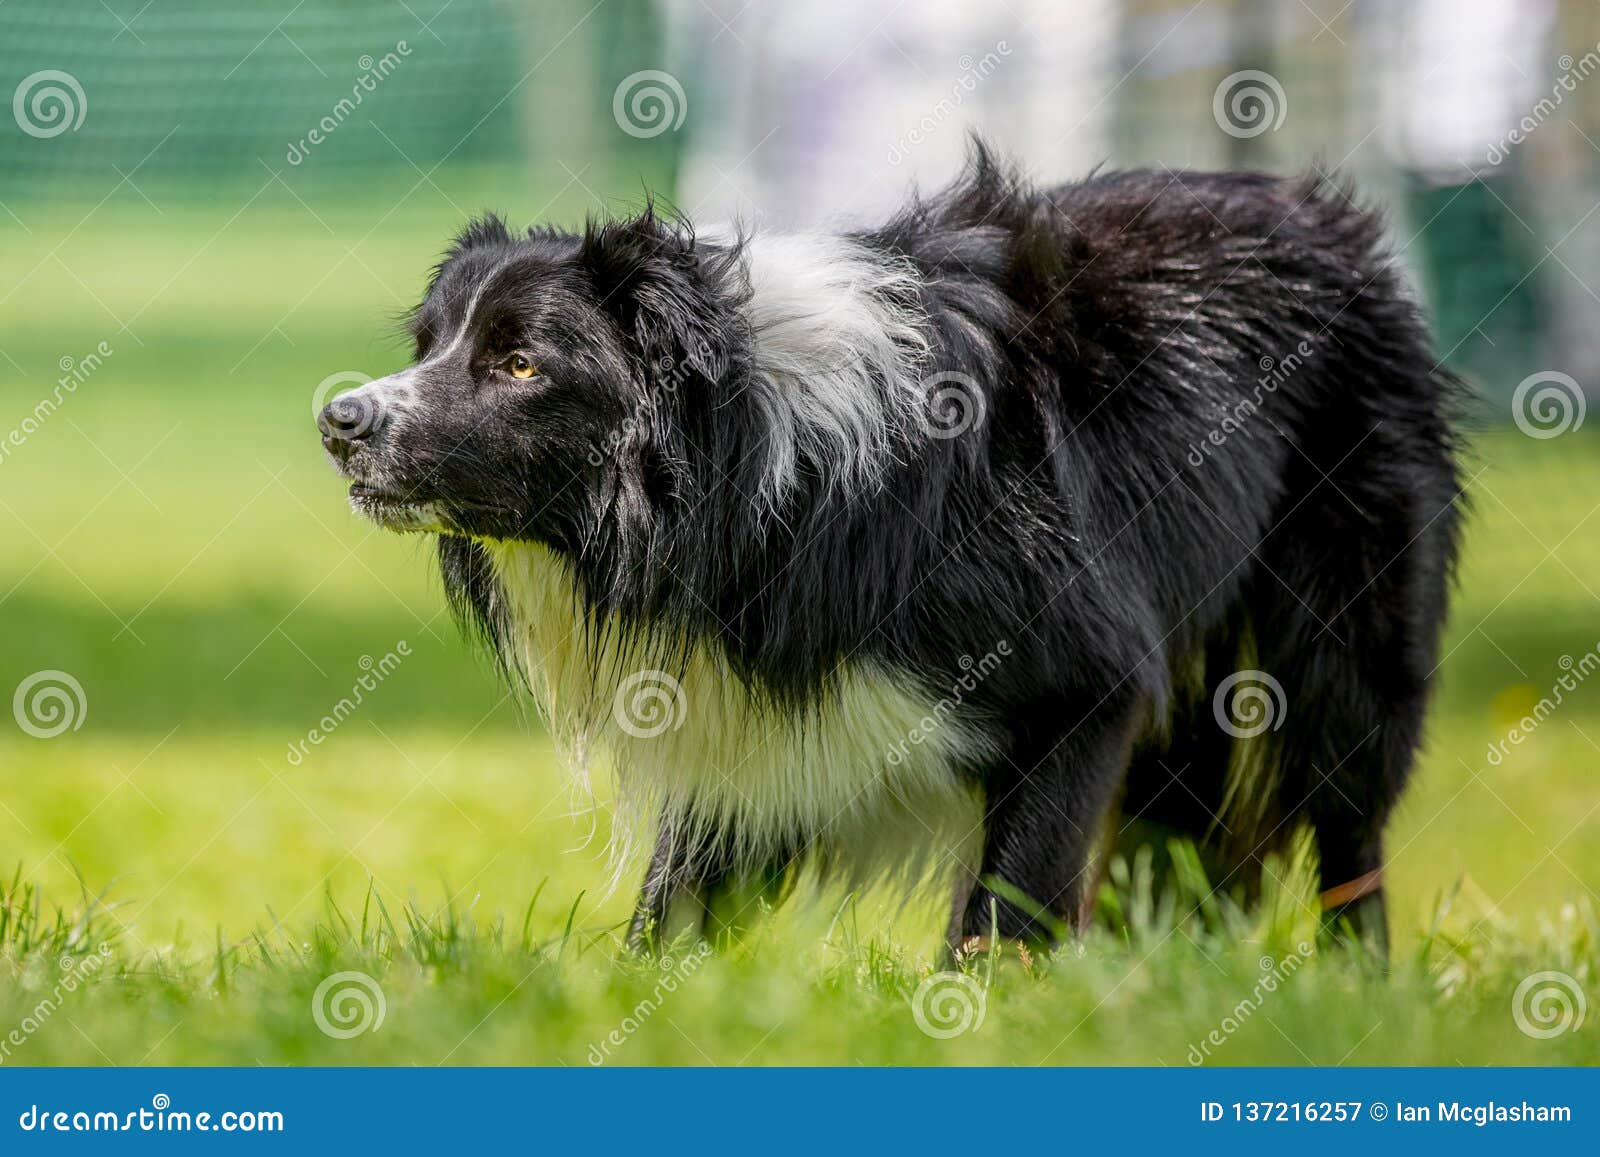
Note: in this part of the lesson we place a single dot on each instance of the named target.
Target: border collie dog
(948, 546)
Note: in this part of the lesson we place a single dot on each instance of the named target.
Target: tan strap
(1350, 892)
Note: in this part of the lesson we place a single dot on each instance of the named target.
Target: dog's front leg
(677, 889)
(695, 887)
(1043, 816)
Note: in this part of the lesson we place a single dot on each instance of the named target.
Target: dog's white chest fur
(868, 777)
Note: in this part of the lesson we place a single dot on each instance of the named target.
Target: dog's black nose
(345, 422)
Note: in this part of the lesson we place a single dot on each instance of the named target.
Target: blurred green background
(173, 539)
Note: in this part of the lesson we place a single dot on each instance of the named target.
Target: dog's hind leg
(1178, 779)
(1348, 623)
(1043, 816)
(1348, 745)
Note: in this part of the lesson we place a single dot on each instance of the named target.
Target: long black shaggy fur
(1213, 439)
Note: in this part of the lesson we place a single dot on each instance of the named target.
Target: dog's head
(532, 353)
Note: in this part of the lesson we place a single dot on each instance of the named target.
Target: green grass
(174, 540)
(1182, 980)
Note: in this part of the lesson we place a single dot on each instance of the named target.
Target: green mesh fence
(190, 94)
(199, 91)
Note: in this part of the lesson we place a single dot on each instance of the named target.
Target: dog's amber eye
(520, 367)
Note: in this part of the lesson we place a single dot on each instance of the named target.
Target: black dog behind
(926, 547)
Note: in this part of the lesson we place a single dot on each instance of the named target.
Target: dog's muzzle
(347, 422)
(352, 421)
(356, 427)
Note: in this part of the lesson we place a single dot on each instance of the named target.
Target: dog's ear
(664, 292)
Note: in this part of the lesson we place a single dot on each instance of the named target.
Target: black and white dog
(936, 545)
